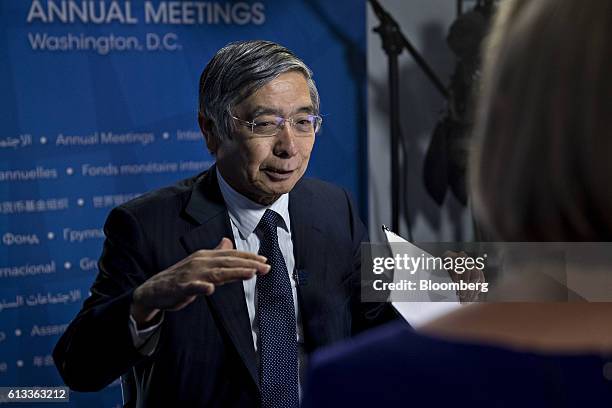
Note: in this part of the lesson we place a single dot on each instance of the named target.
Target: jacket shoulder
(321, 189)
(169, 198)
(148, 212)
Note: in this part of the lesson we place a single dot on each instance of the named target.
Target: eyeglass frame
(281, 124)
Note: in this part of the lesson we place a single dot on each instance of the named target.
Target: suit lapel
(309, 252)
(206, 207)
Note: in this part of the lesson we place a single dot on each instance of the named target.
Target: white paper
(420, 309)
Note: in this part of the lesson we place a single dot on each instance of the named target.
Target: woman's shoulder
(397, 342)
(394, 363)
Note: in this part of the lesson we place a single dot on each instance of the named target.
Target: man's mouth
(278, 174)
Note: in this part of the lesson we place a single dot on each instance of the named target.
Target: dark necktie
(278, 358)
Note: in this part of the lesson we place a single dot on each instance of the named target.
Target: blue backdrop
(99, 102)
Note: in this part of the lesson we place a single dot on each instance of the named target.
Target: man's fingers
(206, 281)
(208, 253)
(236, 262)
(219, 276)
(225, 243)
(199, 287)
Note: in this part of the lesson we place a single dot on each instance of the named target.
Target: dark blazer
(395, 366)
(205, 354)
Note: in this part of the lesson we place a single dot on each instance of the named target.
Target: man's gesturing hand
(198, 274)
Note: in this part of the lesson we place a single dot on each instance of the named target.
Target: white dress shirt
(245, 216)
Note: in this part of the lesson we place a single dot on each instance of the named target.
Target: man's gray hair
(237, 71)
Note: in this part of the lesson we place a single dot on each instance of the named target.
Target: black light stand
(393, 42)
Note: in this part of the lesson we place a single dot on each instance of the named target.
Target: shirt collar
(245, 214)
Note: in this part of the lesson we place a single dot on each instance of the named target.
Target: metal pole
(395, 139)
(392, 45)
(394, 42)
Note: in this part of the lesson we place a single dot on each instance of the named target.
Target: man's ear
(206, 126)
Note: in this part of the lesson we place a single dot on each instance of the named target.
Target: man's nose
(285, 142)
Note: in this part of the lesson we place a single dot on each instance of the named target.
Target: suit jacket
(205, 354)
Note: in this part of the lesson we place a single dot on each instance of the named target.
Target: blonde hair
(539, 165)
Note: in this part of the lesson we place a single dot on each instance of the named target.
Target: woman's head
(540, 165)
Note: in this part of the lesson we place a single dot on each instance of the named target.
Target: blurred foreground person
(539, 172)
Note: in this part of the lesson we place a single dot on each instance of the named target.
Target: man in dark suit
(213, 292)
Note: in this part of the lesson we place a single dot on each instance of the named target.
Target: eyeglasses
(303, 125)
